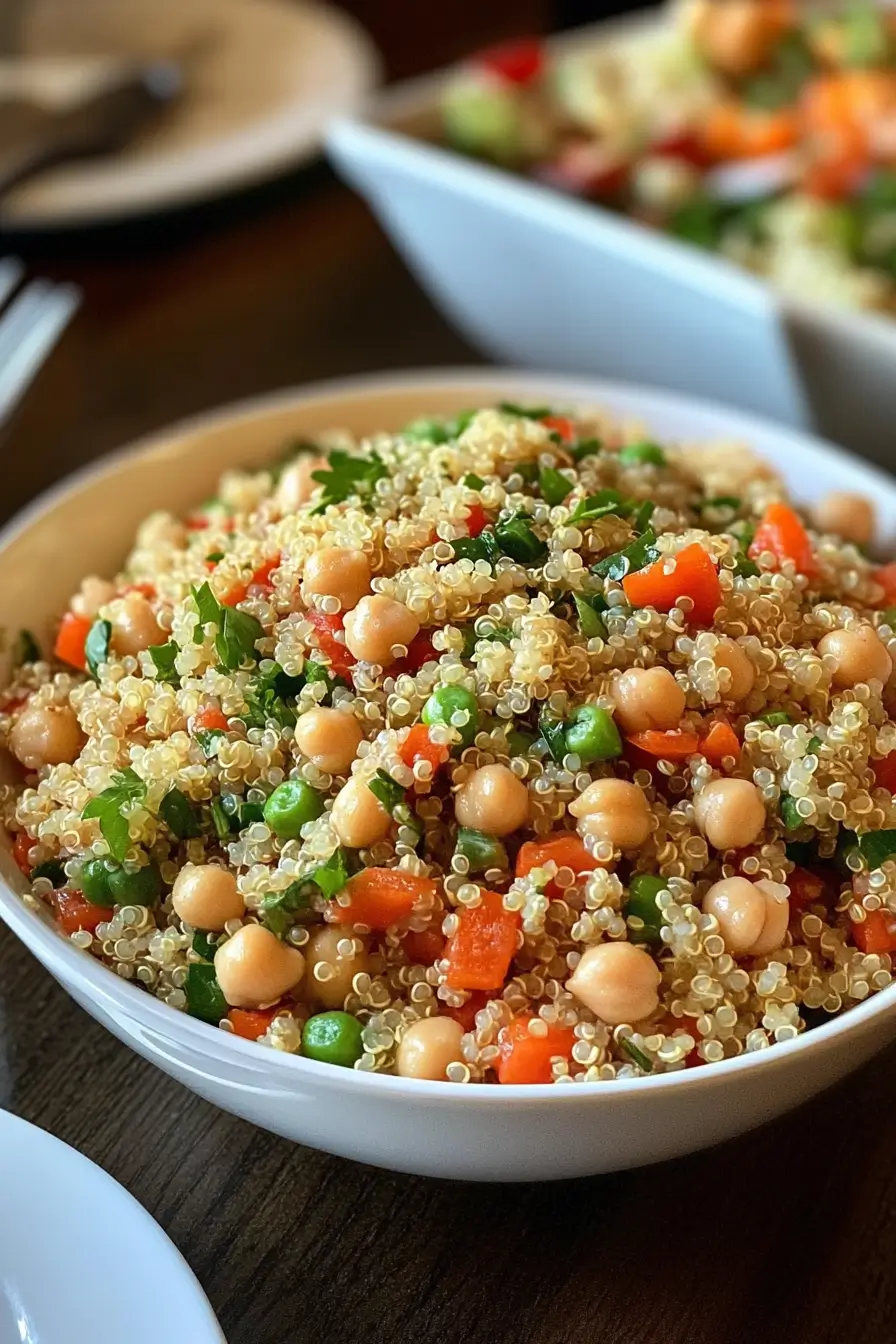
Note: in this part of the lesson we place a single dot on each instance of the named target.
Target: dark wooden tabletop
(788, 1234)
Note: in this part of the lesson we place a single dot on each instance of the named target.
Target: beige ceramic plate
(265, 77)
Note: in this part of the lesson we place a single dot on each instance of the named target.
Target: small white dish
(263, 80)
(67, 1228)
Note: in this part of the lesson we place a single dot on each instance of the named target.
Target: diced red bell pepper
(562, 425)
(518, 62)
(424, 947)
(525, 1058)
(327, 628)
(587, 170)
(419, 746)
(380, 897)
(565, 849)
(886, 577)
(691, 573)
(21, 848)
(251, 1024)
(782, 533)
(75, 913)
(466, 1013)
(673, 746)
(720, 742)
(806, 888)
(479, 953)
(876, 933)
(682, 144)
(208, 719)
(477, 519)
(885, 772)
(420, 652)
(71, 639)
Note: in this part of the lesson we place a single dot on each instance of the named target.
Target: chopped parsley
(554, 735)
(587, 448)
(206, 739)
(96, 646)
(279, 909)
(602, 504)
(267, 697)
(473, 482)
(203, 946)
(745, 568)
(640, 454)
(589, 609)
(483, 547)
(638, 555)
(179, 815)
(525, 412)
(554, 486)
(636, 1055)
(163, 657)
(220, 821)
(237, 631)
(789, 814)
(386, 791)
(108, 809)
(51, 869)
(642, 515)
(516, 538)
(876, 847)
(345, 476)
(205, 998)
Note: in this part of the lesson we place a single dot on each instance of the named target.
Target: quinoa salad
(513, 748)
(764, 130)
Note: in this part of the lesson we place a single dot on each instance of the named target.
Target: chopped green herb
(345, 476)
(636, 1055)
(163, 656)
(237, 631)
(643, 890)
(790, 65)
(108, 809)
(473, 482)
(51, 869)
(775, 717)
(205, 998)
(889, 617)
(701, 221)
(386, 791)
(331, 877)
(636, 454)
(27, 648)
(481, 851)
(597, 506)
(876, 847)
(206, 738)
(589, 608)
(719, 502)
(266, 698)
(427, 431)
(587, 448)
(500, 633)
(642, 515)
(527, 412)
(801, 852)
(789, 814)
(520, 742)
(221, 821)
(135, 886)
(554, 735)
(279, 909)
(516, 538)
(483, 547)
(203, 946)
(554, 486)
(814, 746)
(179, 815)
(528, 471)
(637, 556)
(744, 568)
(96, 646)
(866, 35)
(214, 556)
(208, 608)
(313, 671)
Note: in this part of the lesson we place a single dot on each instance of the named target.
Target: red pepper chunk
(477, 520)
(420, 652)
(562, 425)
(876, 933)
(71, 639)
(209, 719)
(518, 62)
(466, 1013)
(327, 627)
(691, 573)
(380, 897)
(805, 889)
(419, 746)
(677, 745)
(479, 953)
(720, 742)
(885, 772)
(782, 533)
(22, 846)
(566, 850)
(525, 1058)
(424, 947)
(75, 913)
(886, 577)
(251, 1024)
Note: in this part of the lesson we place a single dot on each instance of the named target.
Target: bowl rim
(125, 999)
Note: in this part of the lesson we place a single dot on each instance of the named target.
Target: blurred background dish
(263, 78)
(61, 1217)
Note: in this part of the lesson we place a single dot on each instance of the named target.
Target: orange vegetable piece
(419, 746)
(562, 425)
(731, 130)
(208, 719)
(876, 933)
(840, 111)
(466, 1013)
(423, 947)
(782, 533)
(835, 178)
(719, 742)
(327, 627)
(525, 1058)
(380, 897)
(885, 772)
(480, 952)
(251, 1024)
(691, 574)
(21, 848)
(566, 850)
(477, 520)
(886, 577)
(805, 888)
(74, 912)
(420, 651)
(70, 641)
(674, 746)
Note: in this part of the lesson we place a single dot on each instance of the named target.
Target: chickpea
(738, 36)
(859, 655)
(205, 896)
(617, 981)
(135, 627)
(337, 571)
(46, 735)
(255, 969)
(613, 810)
(428, 1047)
(742, 675)
(752, 916)
(322, 950)
(295, 486)
(329, 738)
(376, 625)
(493, 800)
(94, 593)
(848, 516)
(358, 817)
(647, 698)
(730, 813)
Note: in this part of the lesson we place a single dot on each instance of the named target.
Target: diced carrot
(674, 746)
(562, 425)
(720, 742)
(327, 627)
(74, 912)
(70, 641)
(380, 897)
(423, 947)
(525, 1058)
(466, 1013)
(841, 111)
(782, 533)
(420, 651)
(691, 573)
(886, 577)
(22, 846)
(235, 595)
(251, 1024)
(836, 177)
(480, 952)
(419, 746)
(876, 933)
(885, 772)
(477, 520)
(262, 576)
(147, 590)
(805, 888)
(566, 850)
(732, 130)
(208, 719)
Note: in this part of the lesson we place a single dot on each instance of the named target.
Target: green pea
(593, 736)
(290, 806)
(448, 701)
(651, 453)
(94, 881)
(480, 850)
(643, 890)
(333, 1038)
(135, 886)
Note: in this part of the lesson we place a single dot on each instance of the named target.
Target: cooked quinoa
(514, 748)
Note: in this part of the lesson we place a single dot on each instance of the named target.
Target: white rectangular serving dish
(536, 278)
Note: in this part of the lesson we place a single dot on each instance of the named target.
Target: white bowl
(439, 1129)
(534, 277)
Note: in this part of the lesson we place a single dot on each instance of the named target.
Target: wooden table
(788, 1234)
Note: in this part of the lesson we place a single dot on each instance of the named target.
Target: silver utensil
(33, 138)
(32, 318)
